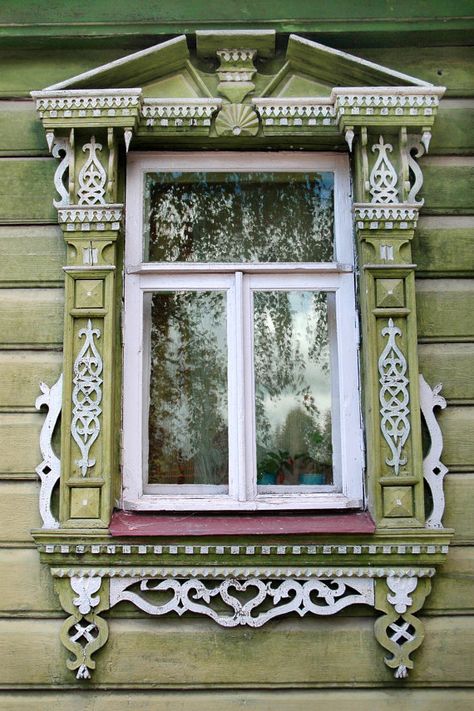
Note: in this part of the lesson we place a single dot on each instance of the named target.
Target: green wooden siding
(195, 664)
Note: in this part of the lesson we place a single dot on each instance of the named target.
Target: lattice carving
(383, 177)
(394, 397)
(87, 396)
(433, 469)
(50, 468)
(92, 176)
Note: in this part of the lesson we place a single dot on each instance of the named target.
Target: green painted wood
(31, 317)
(26, 586)
(444, 246)
(31, 255)
(457, 425)
(20, 375)
(19, 511)
(459, 490)
(27, 190)
(447, 66)
(448, 185)
(445, 308)
(452, 585)
(181, 653)
(20, 130)
(389, 699)
(454, 128)
(19, 444)
(451, 365)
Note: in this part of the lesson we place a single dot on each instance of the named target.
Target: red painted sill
(129, 523)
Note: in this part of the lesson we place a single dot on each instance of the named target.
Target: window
(240, 367)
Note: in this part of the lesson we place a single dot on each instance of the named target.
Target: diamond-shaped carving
(398, 501)
(390, 293)
(89, 293)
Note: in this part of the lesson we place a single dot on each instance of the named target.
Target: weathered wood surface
(452, 590)
(27, 190)
(388, 699)
(450, 364)
(21, 373)
(31, 317)
(19, 444)
(448, 185)
(179, 653)
(19, 511)
(445, 308)
(31, 255)
(459, 490)
(444, 246)
(457, 426)
(26, 586)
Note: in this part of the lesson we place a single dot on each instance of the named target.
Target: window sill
(127, 523)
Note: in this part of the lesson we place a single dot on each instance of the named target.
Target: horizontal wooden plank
(444, 246)
(448, 185)
(459, 490)
(457, 426)
(453, 583)
(31, 255)
(21, 130)
(19, 511)
(166, 652)
(26, 586)
(453, 132)
(450, 364)
(19, 444)
(237, 699)
(31, 317)
(445, 308)
(27, 190)
(21, 373)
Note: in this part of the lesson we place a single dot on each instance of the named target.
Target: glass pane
(187, 426)
(292, 388)
(239, 217)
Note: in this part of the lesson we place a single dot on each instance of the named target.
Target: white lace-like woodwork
(50, 468)
(433, 469)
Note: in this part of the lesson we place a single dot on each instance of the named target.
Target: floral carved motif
(87, 396)
(92, 176)
(383, 177)
(394, 397)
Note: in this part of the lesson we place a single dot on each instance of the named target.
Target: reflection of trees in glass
(240, 217)
(188, 389)
(308, 439)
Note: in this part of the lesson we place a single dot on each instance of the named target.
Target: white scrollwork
(415, 149)
(50, 468)
(433, 469)
(87, 396)
(394, 397)
(92, 176)
(61, 145)
(318, 597)
(401, 588)
(383, 177)
(86, 587)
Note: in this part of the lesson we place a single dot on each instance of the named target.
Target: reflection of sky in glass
(248, 217)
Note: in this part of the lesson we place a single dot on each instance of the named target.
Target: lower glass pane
(292, 388)
(187, 425)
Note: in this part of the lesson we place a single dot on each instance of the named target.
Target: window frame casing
(337, 276)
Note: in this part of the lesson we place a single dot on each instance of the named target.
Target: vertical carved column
(385, 217)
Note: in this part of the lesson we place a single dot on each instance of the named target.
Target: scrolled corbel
(434, 470)
(50, 468)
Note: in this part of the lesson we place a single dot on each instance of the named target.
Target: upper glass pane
(239, 217)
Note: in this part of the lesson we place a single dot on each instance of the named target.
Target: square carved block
(390, 293)
(85, 502)
(89, 294)
(398, 501)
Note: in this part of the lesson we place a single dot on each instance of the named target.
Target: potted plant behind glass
(273, 467)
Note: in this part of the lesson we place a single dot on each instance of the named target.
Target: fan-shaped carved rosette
(237, 120)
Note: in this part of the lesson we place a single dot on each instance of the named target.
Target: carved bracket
(50, 468)
(433, 469)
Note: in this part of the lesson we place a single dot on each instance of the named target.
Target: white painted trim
(239, 280)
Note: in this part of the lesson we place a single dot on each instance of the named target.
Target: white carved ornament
(61, 145)
(50, 468)
(87, 396)
(243, 598)
(415, 149)
(383, 177)
(433, 469)
(394, 397)
(86, 587)
(92, 176)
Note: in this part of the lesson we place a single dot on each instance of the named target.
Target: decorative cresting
(394, 397)
(433, 468)
(87, 396)
(50, 468)
(165, 99)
